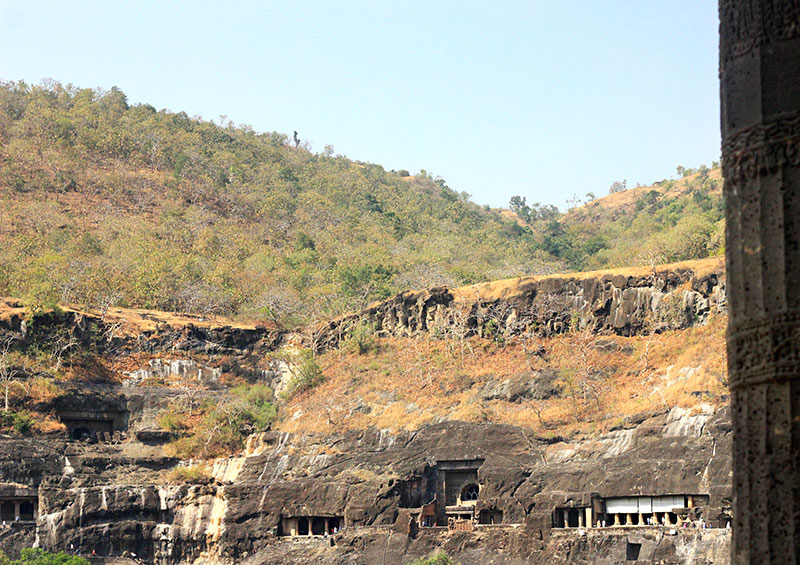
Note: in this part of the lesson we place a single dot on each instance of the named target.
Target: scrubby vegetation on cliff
(575, 382)
(219, 426)
(554, 355)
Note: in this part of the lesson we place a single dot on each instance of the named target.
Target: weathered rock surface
(536, 385)
(618, 304)
(108, 497)
(107, 493)
(95, 334)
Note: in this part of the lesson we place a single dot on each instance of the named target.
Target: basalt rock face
(93, 333)
(109, 492)
(617, 304)
(109, 497)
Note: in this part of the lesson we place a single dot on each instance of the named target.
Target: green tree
(618, 186)
(439, 557)
(520, 207)
(35, 556)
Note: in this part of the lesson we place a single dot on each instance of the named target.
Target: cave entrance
(81, 432)
(572, 517)
(333, 525)
(632, 551)
(490, 517)
(81, 428)
(469, 493)
(317, 526)
(294, 526)
(7, 511)
(16, 508)
(26, 511)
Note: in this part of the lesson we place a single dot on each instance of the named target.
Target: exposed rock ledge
(607, 303)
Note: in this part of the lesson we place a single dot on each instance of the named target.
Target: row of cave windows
(315, 526)
(575, 515)
(8, 511)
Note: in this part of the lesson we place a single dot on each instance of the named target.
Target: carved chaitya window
(470, 492)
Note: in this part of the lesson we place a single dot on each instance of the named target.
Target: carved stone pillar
(760, 95)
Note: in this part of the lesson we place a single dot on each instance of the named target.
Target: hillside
(624, 201)
(105, 203)
(671, 220)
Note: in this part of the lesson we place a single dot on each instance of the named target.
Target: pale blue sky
(542, 99)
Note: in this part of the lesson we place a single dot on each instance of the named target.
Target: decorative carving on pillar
(749, 24)
(760, 122)
(763, 149)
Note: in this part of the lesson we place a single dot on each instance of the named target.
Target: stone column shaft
(760, 122)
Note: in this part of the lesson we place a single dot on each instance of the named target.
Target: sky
(543, 99)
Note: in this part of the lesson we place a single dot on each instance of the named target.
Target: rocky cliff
(610, 303)
(107, 498)
(484, 492)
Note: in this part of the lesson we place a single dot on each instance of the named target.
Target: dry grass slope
(412, 382)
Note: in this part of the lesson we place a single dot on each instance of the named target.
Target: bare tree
(653, 256)
(200, 297)
(279, 305)
(653, 325)
(537, 407)
(584, 379)
(456, 330)
(105, 301)
(60, 347)
(8, 375)
(191, 389)
(111, 330)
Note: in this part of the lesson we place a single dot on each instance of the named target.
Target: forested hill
(672, 220)
(106, 203)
